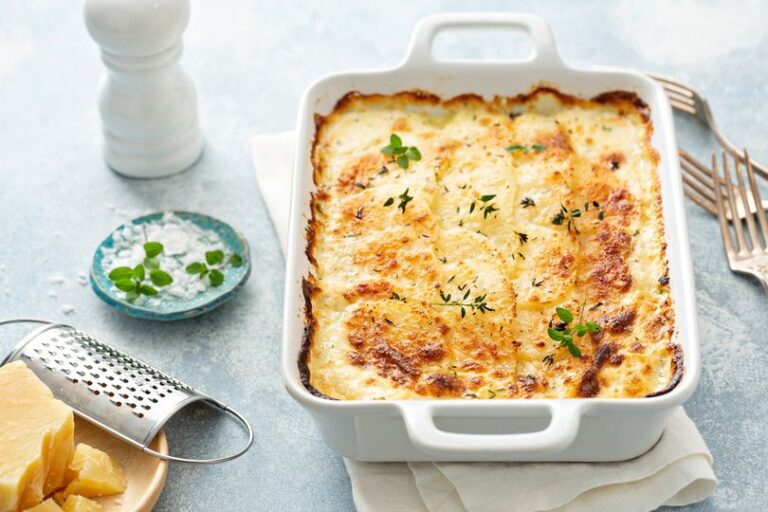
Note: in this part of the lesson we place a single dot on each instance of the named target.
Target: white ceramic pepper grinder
(147, 104)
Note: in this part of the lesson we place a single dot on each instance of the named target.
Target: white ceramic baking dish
(589, 429)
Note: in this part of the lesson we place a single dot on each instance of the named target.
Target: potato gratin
(466, 248)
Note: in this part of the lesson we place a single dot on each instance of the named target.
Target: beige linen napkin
(677, 471)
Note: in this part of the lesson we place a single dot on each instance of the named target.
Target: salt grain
(55, 280)
(183, 243)
(67, 309)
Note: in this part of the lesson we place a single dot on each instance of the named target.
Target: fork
(686, 99)
(698, 187)
(748, 255)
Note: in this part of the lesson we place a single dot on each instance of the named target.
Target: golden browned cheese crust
(441, 280)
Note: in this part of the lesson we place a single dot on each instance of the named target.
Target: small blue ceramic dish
(177, 308)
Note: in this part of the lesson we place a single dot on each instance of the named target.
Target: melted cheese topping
(403, 258)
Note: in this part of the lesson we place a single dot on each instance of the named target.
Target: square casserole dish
(567, 429)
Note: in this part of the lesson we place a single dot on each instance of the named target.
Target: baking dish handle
(429, 438)
(420, 49)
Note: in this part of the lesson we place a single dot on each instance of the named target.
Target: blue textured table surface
(251, 61)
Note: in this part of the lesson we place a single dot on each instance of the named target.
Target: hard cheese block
(93, 473)
(47, 506)
(80, 504)
(36, 439)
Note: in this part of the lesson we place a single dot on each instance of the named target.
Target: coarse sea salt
(183, 243)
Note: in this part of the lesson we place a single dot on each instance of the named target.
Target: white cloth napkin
(677, 471)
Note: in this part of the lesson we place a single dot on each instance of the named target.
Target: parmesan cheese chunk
(36, 439)
(47, 506)
(77, 503)
(93, 473)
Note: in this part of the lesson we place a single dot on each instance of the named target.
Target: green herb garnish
(596, 205)
(399, 153)
(478, 304)
(564, 334)
(485, 207)
(160, 277)
(526, 149)
(396, 296)
(569, 215)
(527, 201)
(404, 200)
(214, 258)
(132, 280)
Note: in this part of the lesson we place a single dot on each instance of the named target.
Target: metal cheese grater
(121, 394)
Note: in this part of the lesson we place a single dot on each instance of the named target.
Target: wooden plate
(145, 474)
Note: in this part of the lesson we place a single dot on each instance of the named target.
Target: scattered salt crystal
(55, 280)
(67, 309)
(183, 243)
(52, 293)
(82, 279)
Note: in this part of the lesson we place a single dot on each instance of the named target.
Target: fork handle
(729, 146)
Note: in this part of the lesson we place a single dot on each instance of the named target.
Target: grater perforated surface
(106, 386)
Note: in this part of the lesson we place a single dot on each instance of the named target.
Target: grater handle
(146, 449)
(225, 409)
(20, 321)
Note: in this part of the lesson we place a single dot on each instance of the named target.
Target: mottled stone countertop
(251, 61)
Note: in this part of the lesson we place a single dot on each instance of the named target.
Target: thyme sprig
(399, 153)
(564, 335)
(596, 205)
(567, 215)
(485, 207)
(396, 296)
(478, 304)
(404, 200)
(538, 148)
(527, 202)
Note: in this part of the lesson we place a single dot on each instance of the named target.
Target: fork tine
(697, 170)
(695, 163)
(671, 85)
(699, 200)
(693, 174)
(673, 95)
(703, 191)
(683, 106)
(724, 230)
(756, 197)
(732, 201)
(756, 244)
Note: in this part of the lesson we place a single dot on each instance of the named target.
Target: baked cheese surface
(439, 275)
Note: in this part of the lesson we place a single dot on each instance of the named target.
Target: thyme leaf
(538, 148)
(478, 304)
